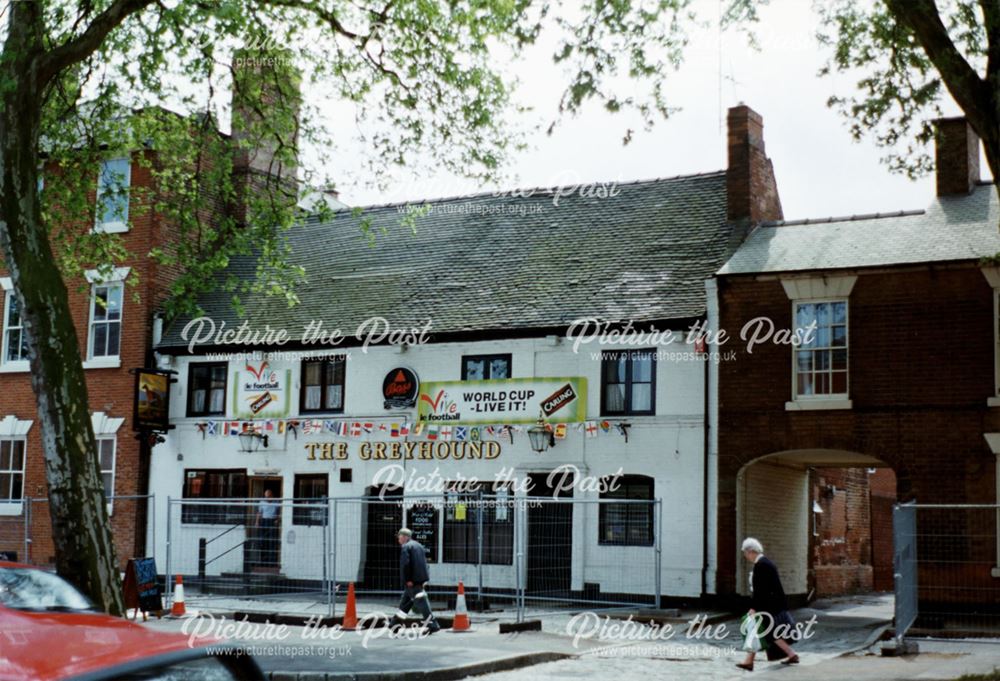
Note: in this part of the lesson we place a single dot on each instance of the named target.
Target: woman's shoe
(744, 665)
(794, 659)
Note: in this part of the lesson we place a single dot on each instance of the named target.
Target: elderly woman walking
(768, 597)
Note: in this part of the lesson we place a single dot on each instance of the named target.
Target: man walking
(414, 575)
(268, 532)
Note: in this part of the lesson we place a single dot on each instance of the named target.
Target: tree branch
(82, 46)
(963, 82)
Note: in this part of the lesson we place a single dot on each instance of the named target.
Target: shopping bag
(751, 641)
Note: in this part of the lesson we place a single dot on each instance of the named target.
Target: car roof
(47, 646)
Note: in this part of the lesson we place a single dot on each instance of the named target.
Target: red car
(49, 631)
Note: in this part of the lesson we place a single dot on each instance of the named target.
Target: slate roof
(952, 228)
(486, 263)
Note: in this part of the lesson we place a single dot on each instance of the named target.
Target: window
(214, 484)
(346, 475)
(461, 525)
(628, 383)
(631, 523)
(106, 320)
(112, 195)
(207, 389)
(15, 343)
(11, 470)
(106, 454)
(310, 487)
(820, 367)
(322, 385)
(485, 367)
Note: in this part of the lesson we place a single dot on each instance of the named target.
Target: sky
(820, 170)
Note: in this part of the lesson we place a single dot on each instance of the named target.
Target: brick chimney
(265, 143)
(751, 191)
(956, 156)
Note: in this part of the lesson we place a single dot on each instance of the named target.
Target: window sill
(11, 508)
(14, 367)
(110, 228)
(103, 363)
(993, 401)
(817, 405)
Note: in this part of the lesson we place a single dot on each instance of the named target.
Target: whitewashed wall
(668, 446)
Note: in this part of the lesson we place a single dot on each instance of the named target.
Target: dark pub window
(207, 389)
(214, 484)
(629, 523)
(310, 489)
(628, 383)
(485, 367)
(322, 385)
(462, 523)
(346, 475)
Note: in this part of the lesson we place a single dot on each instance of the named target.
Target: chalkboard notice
(142, 589)
(423, 520)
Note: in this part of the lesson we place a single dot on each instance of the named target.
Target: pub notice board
(142, 589)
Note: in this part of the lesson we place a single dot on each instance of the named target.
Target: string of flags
(402, 429)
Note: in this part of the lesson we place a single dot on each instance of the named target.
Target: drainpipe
(710, 476)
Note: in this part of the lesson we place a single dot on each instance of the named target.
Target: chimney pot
(956, 156)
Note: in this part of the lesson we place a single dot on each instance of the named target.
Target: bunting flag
(488, 430)
(355, 429)
(461, 433)
(475, 434)
(445, 432)
(560, 431)
(606, 426)
(382, 427)
(233, 428)
(307, 427)
(394, 430)
(369, 426)
(281, 427)
(213, 428)
(404, 429)
(329, 426)
(432, 433)
(202, 427)
(590, 428)
(418, 428)
(343, 429)
(269, 426)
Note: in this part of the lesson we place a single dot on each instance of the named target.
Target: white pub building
(428, 358)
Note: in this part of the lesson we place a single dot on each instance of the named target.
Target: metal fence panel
(238, 549)
(956, 559)
(904, 534)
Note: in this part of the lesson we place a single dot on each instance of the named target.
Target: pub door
(382, 520)
(263, 523)
(549, 541)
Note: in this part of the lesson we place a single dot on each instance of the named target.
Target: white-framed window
(106, 447)
(15, 342)
(113, 180)
(104, 338)
(819, 367)
(11, 473)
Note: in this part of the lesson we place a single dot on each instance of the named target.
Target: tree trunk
(80, 527)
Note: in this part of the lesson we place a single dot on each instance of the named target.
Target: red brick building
(901, 373)
(114, 327)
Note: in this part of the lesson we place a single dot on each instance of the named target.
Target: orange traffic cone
(351, 611)
(461, 621)
(177, 609)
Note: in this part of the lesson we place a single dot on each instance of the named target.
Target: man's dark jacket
(768, 596)
(413, 563)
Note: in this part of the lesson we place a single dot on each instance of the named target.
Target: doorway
(382, 520)
(263, 522)
(550, 539)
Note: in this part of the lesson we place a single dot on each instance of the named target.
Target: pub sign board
(142, 589)
(152, 400)
(399, 388)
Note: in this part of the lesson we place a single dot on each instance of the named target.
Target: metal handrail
(224, 533)
(232, 548)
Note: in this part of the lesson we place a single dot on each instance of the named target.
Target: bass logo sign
(400, 388)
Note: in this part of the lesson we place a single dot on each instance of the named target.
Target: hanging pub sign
(152, 400)
(503, 401)
(261, 391)
(399, 388)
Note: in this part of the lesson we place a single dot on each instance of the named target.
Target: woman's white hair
(751, 544)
